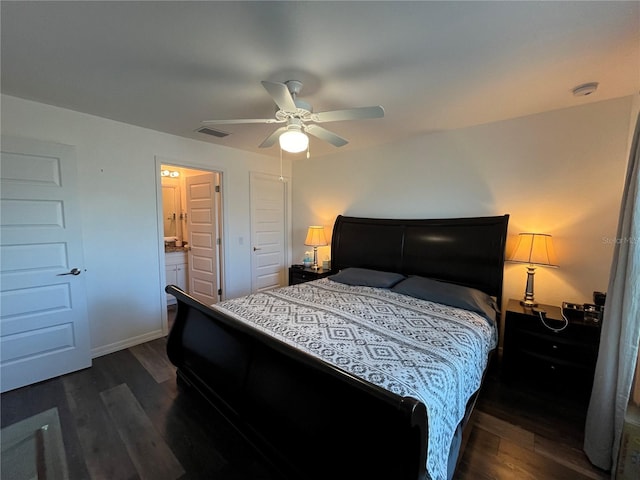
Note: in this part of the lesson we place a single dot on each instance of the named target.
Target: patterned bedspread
(412, 347)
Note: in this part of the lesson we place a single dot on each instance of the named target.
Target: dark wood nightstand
(301, 275)
(563, 361)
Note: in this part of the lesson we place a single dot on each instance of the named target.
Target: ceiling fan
(300, 119)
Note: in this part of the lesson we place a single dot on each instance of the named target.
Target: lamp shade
(315, 237)
(293, 141)
(535, 249)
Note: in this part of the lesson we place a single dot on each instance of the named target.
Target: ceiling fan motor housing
(302, 105)
(295, 87)
(304, 111)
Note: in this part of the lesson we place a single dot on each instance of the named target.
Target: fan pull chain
(308, 155)
(281, 177)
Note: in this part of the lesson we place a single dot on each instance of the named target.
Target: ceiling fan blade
(326, 135)
(349, 114)
(242, 120)
(281, 95)
(271, 139)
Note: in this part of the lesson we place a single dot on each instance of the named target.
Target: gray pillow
(367, 278)
(448, 294)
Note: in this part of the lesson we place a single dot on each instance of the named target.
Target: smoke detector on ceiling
(585, 89)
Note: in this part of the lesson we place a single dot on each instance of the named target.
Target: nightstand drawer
(575, 333)
(554, 372)
(301, 275)
(556, 346)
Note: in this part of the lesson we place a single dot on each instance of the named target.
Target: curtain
(620, 329)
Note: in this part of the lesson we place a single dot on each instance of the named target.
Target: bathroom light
(294, 140)
(169, 173)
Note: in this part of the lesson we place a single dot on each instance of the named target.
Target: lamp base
(528, 303)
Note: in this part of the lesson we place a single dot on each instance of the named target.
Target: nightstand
(563, 361)
(301, 275)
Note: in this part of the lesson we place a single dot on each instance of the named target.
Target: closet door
(43, 304)
(268, 232)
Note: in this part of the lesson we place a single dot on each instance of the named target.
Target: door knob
(73, 271)
(256, 248)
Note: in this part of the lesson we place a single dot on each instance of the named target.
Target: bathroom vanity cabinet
(177, 270)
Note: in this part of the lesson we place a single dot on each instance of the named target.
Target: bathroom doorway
(190, 212)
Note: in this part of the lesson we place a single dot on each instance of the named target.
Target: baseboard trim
(129, 342)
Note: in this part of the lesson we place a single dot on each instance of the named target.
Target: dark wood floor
(523, 431)
(124, 418)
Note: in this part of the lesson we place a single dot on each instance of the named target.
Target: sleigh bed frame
(313, 420)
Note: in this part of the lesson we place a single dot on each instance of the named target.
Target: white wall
(559, 172)
(117, 180)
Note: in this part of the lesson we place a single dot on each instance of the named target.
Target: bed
(346, 404)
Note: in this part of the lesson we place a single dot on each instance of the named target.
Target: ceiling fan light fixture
(293, 141)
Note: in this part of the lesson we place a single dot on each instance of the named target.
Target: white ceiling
(432, 65)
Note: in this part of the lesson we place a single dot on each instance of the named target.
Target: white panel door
(44, 328)
(203, 234)
(268, 232)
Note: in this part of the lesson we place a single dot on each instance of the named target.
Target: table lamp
(315, 239)
(535, 249)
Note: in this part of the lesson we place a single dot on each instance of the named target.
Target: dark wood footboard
(310, 419)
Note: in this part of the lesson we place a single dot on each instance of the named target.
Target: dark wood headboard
(465, 251)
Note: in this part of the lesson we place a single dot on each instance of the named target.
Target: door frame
(160, 160)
